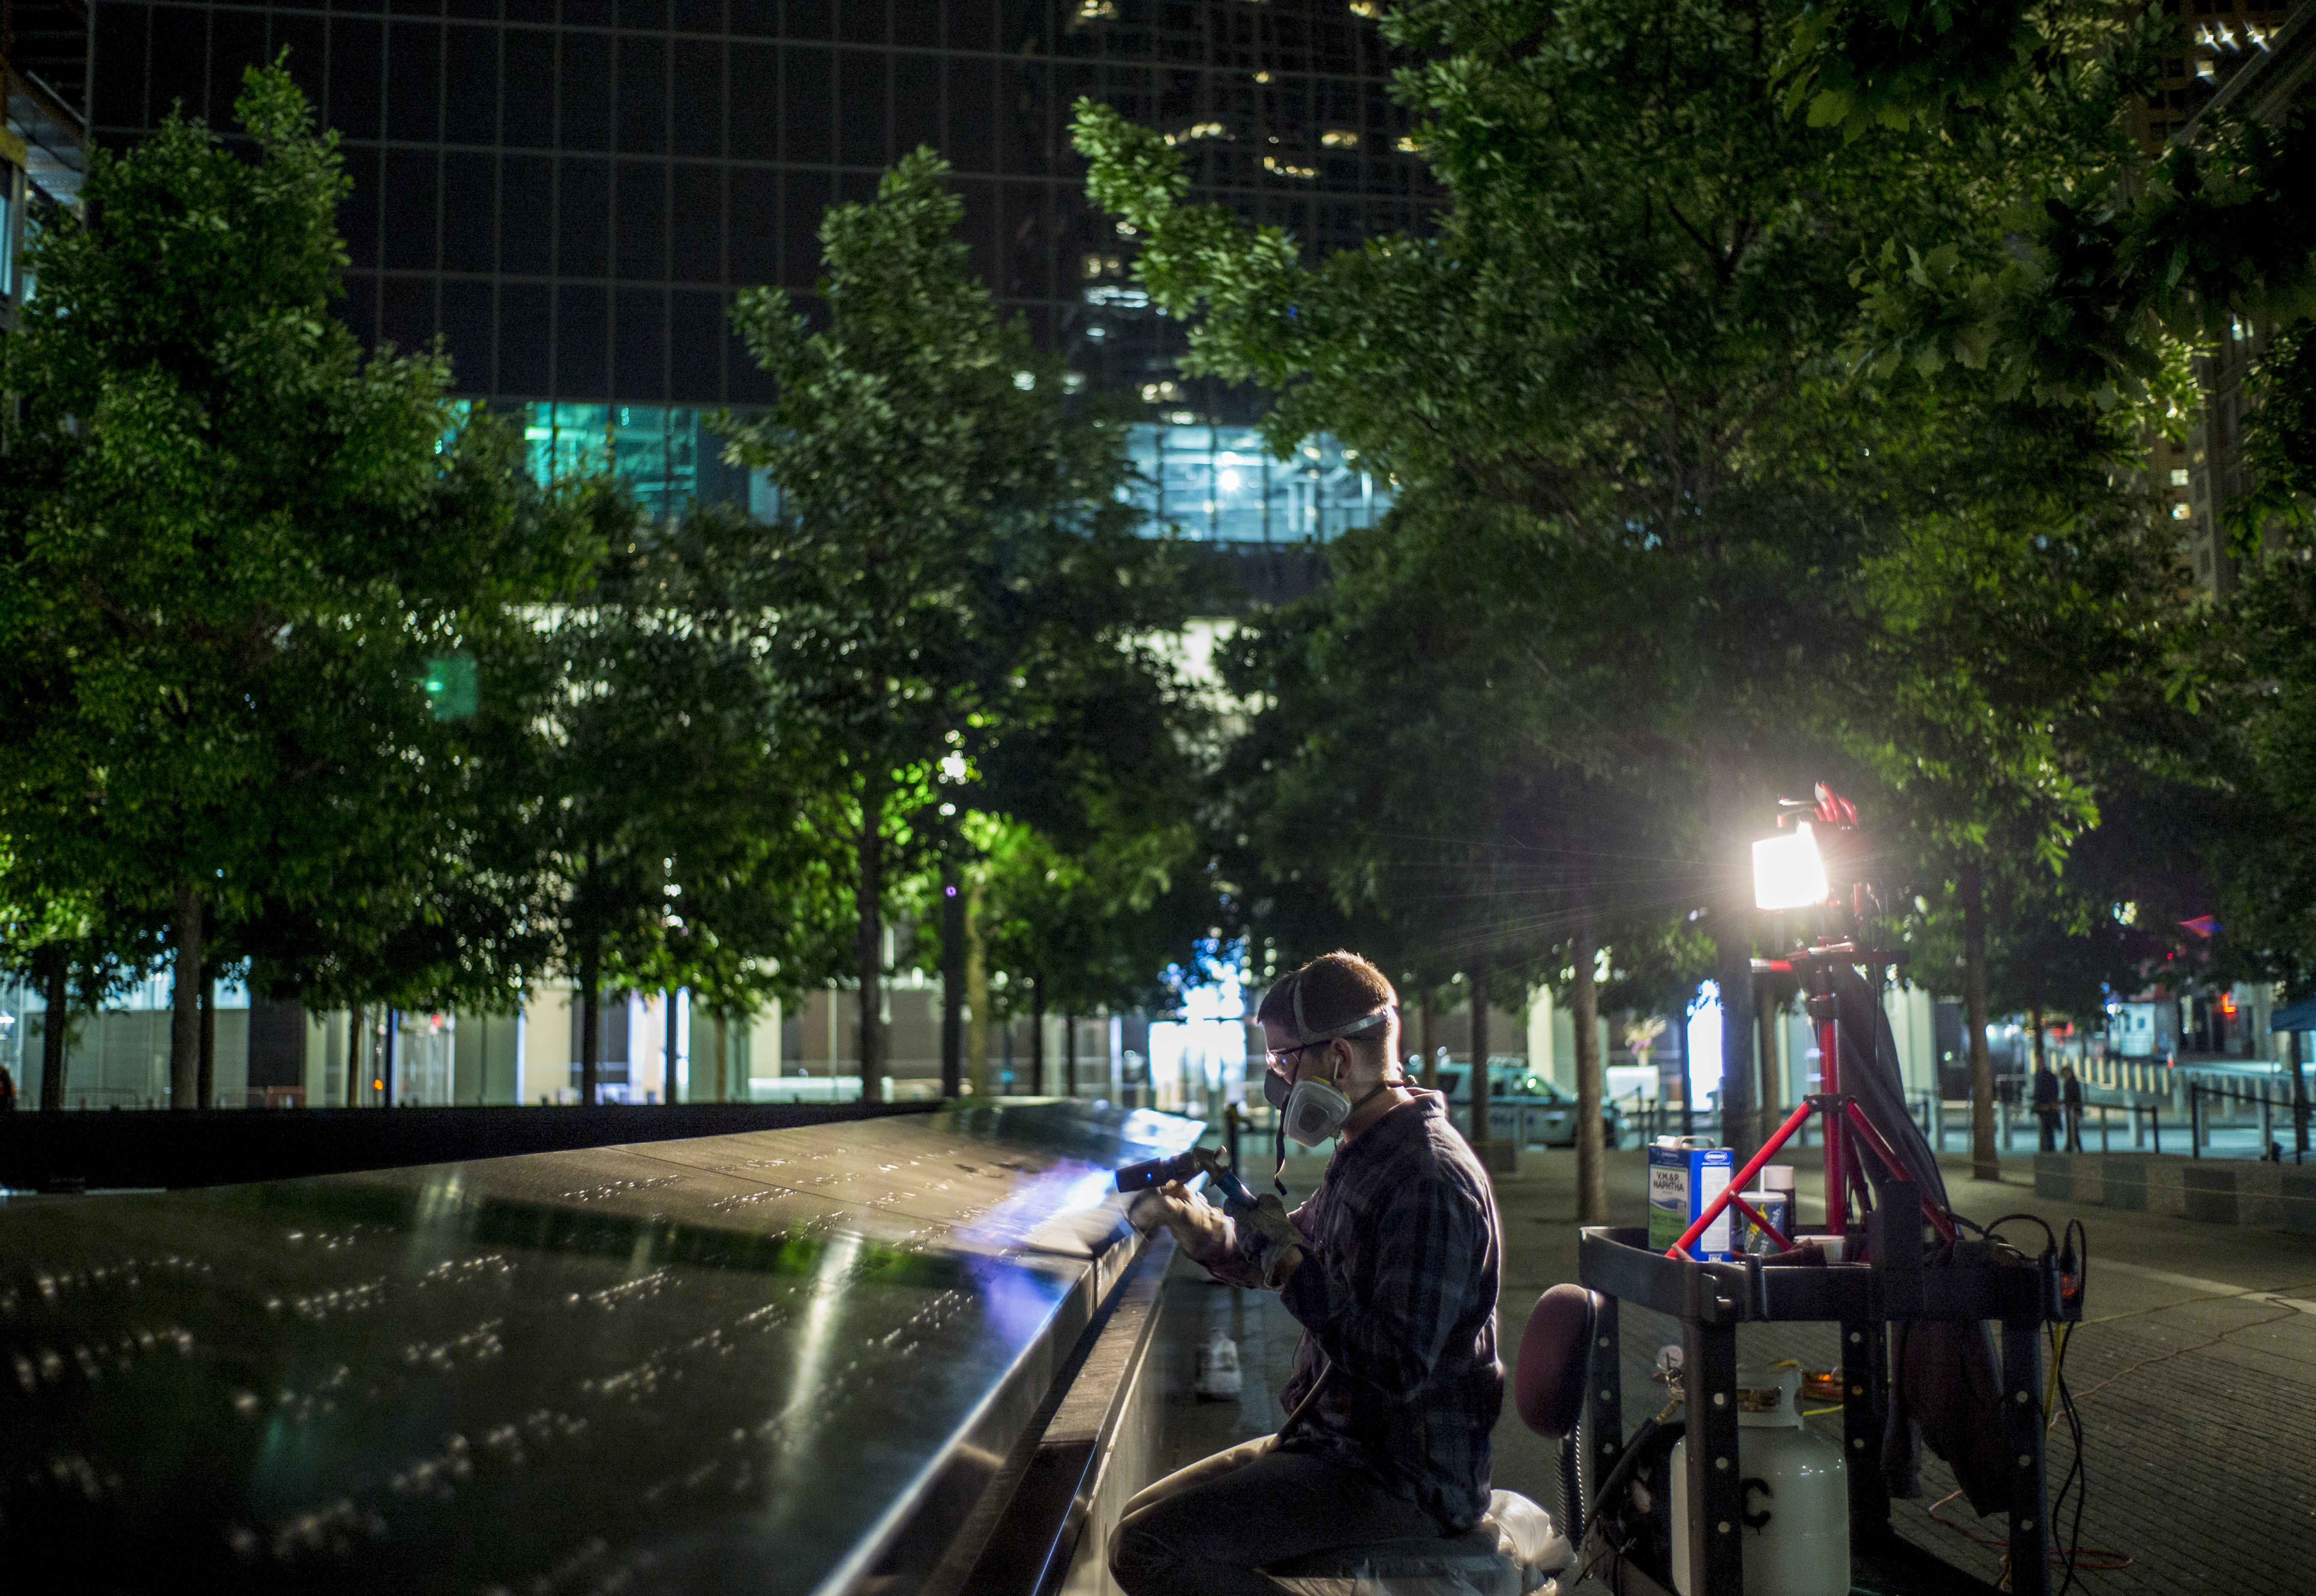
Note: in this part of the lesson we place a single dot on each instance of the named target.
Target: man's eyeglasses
(1278, 1060)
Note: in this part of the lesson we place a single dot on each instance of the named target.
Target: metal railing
(2269, 1097)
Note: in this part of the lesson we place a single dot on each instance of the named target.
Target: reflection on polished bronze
(756, 1362)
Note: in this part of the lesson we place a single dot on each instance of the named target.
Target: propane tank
(1796, 1532)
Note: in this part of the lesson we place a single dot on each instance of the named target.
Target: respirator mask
(1311, 1111)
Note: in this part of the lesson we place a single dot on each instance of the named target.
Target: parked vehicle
(1524, 1106)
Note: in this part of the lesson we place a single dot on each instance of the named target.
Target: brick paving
(2200, 1455)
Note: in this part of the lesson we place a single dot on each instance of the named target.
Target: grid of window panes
(10, 204)
(1209, 484)
(664, 452)
(568, 191)
(1221, 485)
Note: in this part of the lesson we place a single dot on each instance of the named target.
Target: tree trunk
(1742, 1093)
(1985, 1159)
(976, 996)
(184, 1003)
(1036, 1035)
(1685, 1075)
(1773, 1088)
(56, 970)
(869, 943)
(1481, 1131)
(723, 1060)
(357, 1053)
(1428, 1014)
(2299, 1102)
(673, 998)
(207, 1071)
(1069, 1055)
(591, 1020)
(1584, 1015)
(952, 982)
(386, 1060)
(2035, 1017)
(1732, 924)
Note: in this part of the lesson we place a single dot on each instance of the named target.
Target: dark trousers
(2074, 1128)
(1206, 1529)
(2050, 1119)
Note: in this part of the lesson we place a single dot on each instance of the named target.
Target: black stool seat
(1470, 1559)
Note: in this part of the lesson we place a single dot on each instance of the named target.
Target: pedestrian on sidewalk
(2047, 1104)
(2071, 1099)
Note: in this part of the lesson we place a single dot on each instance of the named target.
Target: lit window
(1370, 9)
(1025, 380)
(1096, 10)
(1339, 138)
(1198, 130)
(1262, 77)
(2181, 512)
(1272, 163)
(1408, 146)
(2178, 476)
(1093, 266)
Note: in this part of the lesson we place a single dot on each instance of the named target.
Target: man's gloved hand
(1272, 1240)
(1196, 1223)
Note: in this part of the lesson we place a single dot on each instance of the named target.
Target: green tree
(1645, 342)
(745, 904)
(1395, 789)
(1622, 337)
(945, 514)
(228, 541)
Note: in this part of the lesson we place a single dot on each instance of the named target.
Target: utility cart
(1875, 1267)
(1711, 1300)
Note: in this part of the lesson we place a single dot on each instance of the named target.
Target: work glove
(1271, 1240)
(1195, 1222)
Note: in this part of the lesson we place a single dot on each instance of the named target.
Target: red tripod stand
(1849, 1133)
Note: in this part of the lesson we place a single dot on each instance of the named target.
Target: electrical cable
(2069, 1251)
(2191, 1347)
(2074, 1264)
(2106, 1562)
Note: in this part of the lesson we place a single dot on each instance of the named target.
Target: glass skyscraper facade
(568, 192)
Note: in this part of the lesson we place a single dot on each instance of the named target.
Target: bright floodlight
(1788, 873)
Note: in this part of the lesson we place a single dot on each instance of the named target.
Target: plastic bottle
(1217, 1378)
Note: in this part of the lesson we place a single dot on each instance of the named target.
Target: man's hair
(1337, 988)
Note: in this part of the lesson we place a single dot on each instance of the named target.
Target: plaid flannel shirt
(1398, 1290)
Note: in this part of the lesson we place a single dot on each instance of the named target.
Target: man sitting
(1390, 1268)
